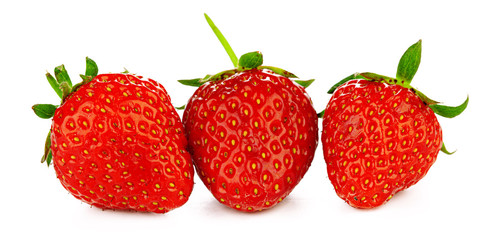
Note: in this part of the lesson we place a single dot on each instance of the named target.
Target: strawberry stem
(223, 42)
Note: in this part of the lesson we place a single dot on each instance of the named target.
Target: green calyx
(407, 68)
(63, 87)
(248, 61)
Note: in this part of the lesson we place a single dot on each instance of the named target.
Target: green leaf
(91, 68)
(45, 111)
(320, 114)
(54, 84)
(444, 150)
(346, 79)
(409, 62)
(66, 89)
(379, 78)
(424, 98)
(196, 82)
(49, 158)
(220, 75)
(279, 71)
(47, 153)
(62, 76)
(223, 41)
(251, 60)
(449, 112)
(181, 107)
(305, 83)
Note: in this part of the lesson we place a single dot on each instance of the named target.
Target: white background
(323, 40)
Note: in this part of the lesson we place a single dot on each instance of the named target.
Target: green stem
(223, 42)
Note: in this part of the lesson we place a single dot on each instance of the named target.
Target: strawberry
(117, 142)
(252, 132)
(380, 135)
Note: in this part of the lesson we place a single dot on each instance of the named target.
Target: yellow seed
(343, 178)
(256, 191)
(276, 165)
(253, 166)
(366, 182)
(157, 185)
(352, 188)
(246, 112)
(258, 101)
(276, 187)
(249, 148)
(263, 155)
(108, 165)
(265, 177)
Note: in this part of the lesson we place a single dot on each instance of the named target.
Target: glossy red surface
(118, 143)
(252, 137)
(378, 139)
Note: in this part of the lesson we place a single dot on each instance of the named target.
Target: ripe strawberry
(252, 133)
(117, 142)
(380, 135)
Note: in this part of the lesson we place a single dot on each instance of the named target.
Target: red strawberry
(252, 133)
(380, 135)
(118, 143)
